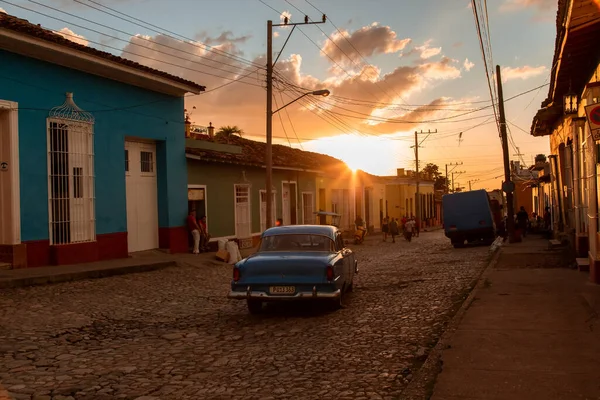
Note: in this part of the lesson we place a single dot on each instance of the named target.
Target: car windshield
(296, 242)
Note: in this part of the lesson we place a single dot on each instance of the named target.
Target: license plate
(282, 289)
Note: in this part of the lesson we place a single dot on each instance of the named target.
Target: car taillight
(236, 274)
(329, 273)
(452, 226)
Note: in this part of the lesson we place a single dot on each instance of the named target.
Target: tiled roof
(25, 27)
(253, 153)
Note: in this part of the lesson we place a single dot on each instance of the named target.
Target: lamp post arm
(293, 101)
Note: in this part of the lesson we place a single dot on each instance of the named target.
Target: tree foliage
(440, 181)
(228, 131)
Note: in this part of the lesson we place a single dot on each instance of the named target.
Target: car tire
(255, 306)
(350, 286)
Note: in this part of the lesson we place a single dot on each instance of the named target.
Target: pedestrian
(394, 229)
(194, 230)
(547, 219)
(204, 236)
(385, 228)
(522, 220)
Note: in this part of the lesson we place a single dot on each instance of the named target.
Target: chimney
(211, 130)
(400, 171)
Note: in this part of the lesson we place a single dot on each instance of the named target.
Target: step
(583, 264)
(553, 244)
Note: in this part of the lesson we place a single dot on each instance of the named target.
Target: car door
(345, 252)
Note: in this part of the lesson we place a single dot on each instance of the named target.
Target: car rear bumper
(261, 295)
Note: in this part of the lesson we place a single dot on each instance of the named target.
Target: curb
(82, 275)
(420, 387)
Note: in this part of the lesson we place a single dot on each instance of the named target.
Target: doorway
(10, 202)
(289, 203)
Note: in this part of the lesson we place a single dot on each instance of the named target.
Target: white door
(285, 204)
(243, 224)
(142, 196)
(263, 209)
(81, 189)
(9, 176)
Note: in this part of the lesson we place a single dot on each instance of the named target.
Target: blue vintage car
(293, 263)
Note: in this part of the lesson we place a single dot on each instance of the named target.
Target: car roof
(325, 230)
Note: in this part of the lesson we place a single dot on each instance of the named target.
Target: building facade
(93, 151)
(572, 184)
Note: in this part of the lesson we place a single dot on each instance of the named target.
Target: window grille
(147, 162)
(126, 160)
(70, 136)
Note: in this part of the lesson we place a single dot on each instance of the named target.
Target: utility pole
(417, 195)
(471, 182)
(454, 165)
(269, 126)
(269, 152)
(457, 173)
(508, 185)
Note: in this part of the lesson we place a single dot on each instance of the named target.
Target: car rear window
(296, 242)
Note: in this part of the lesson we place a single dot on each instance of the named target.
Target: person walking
(394, 229)
(385, 228)
(522, 220)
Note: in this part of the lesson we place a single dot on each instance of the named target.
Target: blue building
(92, 152)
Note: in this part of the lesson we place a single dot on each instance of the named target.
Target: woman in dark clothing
(522, 220)
(385, 228)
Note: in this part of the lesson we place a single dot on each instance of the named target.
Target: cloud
(366, 41)
(225, 37)
(426, 51)
(523, 73)
(72, 36)
(243, 104)
(468, 64)
(275, 34)
(515, 5)
(2, 10)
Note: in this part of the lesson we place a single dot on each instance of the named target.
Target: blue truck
(468, 217)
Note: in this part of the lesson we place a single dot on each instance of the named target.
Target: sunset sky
(392, 67)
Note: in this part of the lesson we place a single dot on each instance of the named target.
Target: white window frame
(235, 186)
(311, 217)
(81, 209)
(263, 214)
(205, 201)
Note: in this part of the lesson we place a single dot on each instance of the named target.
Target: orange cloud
(366, 41)
(523, 73)
(542, 5)
(243, 104)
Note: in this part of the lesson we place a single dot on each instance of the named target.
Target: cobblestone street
(173, 334)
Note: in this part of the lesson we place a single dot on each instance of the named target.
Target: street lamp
(269, 152)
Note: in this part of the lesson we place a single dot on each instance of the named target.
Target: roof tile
(25, 27)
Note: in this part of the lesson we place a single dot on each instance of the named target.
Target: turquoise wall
(39, 86)
(220, 180)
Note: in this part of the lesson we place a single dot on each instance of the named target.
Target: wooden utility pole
(508, 185)
(270, 112)
(269, 152)
(418, 195)
(471, 182)
(454, 165)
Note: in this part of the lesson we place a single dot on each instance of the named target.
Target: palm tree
(227, 131)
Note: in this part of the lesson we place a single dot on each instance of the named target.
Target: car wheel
(350, 286)
(255, 306)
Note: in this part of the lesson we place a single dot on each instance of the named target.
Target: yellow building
(401, 196)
